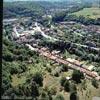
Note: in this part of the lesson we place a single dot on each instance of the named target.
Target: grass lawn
(89, 12)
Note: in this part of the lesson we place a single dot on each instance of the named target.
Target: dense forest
(35, 8)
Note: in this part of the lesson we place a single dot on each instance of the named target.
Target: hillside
(22, 9)
(36, 8)
(50, 50)
(89, 12)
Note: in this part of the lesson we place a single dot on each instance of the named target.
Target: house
(90, 67)
(44, 49)
(55, 52)
(70, 59)
(95, 73)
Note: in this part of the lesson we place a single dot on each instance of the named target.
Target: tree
(48, 92)
(38, 78)
(59, 97)
(67, 86)
(71, 17)
(62, 81)
(20, 57)
(59, 16)
(46, 21)
(34, 89)
(64, 68)
(23, 67)
(91, 57)
(44, 96)
(94, 83)
(73, 96)
(77, 76)
(84, 85)
(48, 69)
(7, 56)
(73, 87)
(53, 90)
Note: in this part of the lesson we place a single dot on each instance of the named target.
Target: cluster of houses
(25, 36)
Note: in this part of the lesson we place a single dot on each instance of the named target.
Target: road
(35, 29)
(85, 46)
(62, 61)
(38, 29)
(57, 58)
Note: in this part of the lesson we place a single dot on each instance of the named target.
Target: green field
(89, 12)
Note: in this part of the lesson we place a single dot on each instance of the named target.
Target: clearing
(93, 12)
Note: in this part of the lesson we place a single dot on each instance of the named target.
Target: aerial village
(27, 35)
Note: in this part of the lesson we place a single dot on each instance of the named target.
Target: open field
(89, 12)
